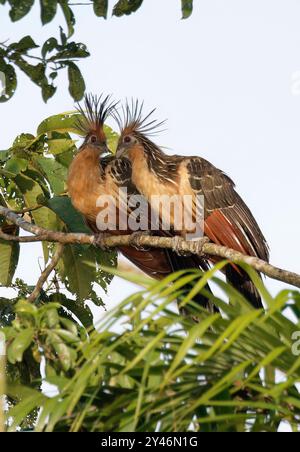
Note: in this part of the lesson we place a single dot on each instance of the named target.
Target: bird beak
(120, 152)
(105, 150)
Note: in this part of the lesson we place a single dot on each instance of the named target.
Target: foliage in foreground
(33, 174)
(146, 368)
(55, 54)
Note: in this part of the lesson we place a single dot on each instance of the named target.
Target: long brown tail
(241, 281)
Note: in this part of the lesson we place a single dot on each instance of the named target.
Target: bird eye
(93, 139)
(127, 139)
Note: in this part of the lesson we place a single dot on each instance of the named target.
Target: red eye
(127, 139)
(93, 139)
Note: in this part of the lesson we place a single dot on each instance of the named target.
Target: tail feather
(187, 262)
(242, 282)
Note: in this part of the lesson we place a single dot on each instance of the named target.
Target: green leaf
(126, 7)
(78, 270)
(187, 8)
(19, 9)
(37, 74)
(32, 193)
(60, 146)
(25, 44)
(63, 208)
(23, 141)
(67, 336)
(4, 156)
(77, 307)
(69, 16)
(71, 50)
(101, 8)
(63, 352)
(9, 258)
(8, 86)
(55, 173)
(64, 122)
(76, 82)
(19, 345)
(16, 165)
(48, 10)
(49, 46)
(48, 91)
(24, 307)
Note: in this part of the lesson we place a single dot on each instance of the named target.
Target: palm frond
(146, 367)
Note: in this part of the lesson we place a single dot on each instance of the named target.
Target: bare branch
(46, 273)
(201, 247)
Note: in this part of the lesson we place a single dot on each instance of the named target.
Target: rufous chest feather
(146, 180)
(84, 182)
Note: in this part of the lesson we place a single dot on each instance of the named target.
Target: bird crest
(132, 121)
(93, 114)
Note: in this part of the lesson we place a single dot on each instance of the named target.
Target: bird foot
(177, 247)
(135, 239)
(99, 238)
(195, 248)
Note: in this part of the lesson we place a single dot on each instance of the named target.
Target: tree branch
(201, 247)
(46, 273)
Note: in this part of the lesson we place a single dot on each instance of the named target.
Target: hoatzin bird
(93, 174)
(227, 219)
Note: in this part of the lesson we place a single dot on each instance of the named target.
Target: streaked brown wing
(228, 221)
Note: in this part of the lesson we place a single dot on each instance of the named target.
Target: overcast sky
(223, 78)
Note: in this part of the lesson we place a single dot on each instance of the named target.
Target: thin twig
(28, 209)
(201, 247)
(46, 273)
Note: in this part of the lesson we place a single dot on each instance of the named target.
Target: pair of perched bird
(143, 167)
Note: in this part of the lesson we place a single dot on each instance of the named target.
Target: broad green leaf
(64, 122)
(32, 192)
(8, 85)
(63, 208)
(49, 45)
(101, 8)
(126, 7)
(76, 82)
(60, 146)
(187, 8)
(16, 165)
(24, 307)
(69, 16)
(77, 307)
(19, 9)
(4, 156)
(55, 173)
(63, 352)
(25, 44)
(70, 51)
(33, 195)
(48, 10)
(20, 344)
(9, 258)
(78, 270)
(67, 336)
(37, 74)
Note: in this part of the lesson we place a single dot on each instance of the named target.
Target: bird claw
(99, 240)
(177, 243)
(135, 240)
(197, 247)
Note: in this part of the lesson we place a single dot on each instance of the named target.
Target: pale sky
(223, 78)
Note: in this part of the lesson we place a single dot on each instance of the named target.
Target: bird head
(135, 128)
(94, 113)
